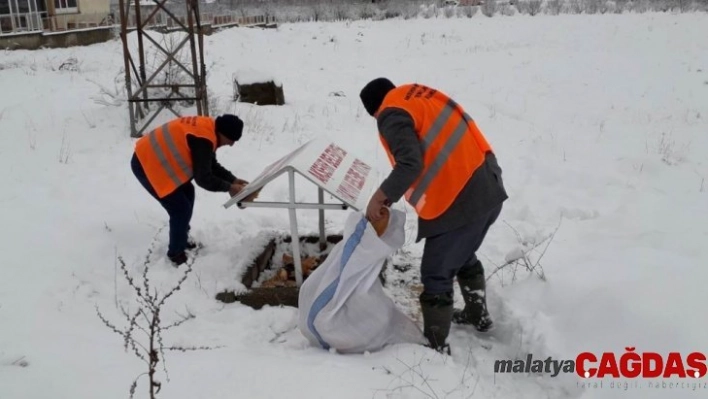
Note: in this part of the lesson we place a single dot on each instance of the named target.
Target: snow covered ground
(600, 124)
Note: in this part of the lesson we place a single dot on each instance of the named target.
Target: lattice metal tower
(150, 90)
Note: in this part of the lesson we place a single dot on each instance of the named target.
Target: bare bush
(489, 7)
(340, 12)
(574, 7)
(115, 96)
(430, 11)
(506, 10)
(681, 5)
(469, 11)
(317, 11)
(530, 7)
(535, 6)
(367, 12)
(553, 7)
(408, 12)
(143, 332)
(594, 6)
(411, 377)
(449, 12)
(618, 6)
(522, 257)
(267, 9)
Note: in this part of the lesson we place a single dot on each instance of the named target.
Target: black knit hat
(373, 94)
(230, 126)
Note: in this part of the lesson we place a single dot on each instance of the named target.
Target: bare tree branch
(147, 318)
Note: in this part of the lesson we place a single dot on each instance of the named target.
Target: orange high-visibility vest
(453, 147)
(165, 155)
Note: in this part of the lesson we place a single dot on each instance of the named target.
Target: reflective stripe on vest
(164, 131)
(164, 152)
(444, 153)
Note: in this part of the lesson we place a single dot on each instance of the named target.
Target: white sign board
(326, 164)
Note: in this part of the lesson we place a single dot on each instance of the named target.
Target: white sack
(342, 304)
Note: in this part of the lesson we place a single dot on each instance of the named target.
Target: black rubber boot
(437, 317)
(178, 259)
(473, 288)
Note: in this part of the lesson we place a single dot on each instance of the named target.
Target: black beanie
(372, 95)
(230, 126)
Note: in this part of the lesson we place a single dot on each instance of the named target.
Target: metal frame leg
(293, 230)
(320, 200)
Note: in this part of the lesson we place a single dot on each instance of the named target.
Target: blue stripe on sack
(326, 296)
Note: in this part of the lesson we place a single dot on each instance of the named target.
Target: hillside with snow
(600, 123)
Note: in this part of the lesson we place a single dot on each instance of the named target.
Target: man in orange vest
(167, 159)
(445, 168)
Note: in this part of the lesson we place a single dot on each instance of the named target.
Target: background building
(18, 16)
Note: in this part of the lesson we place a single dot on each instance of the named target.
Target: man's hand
(236, 188)
(377, 204)
(240, 181)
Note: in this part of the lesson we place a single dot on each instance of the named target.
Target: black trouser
(179, 205)
(447, 254)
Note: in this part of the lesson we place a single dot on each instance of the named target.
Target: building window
(65, 6)
(21, 15)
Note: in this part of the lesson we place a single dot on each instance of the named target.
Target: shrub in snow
(526, 256)
(530, 7)
(367, 12)
(340, 12)
(469, 11)
(449, 12)
(145, 324)
(506, 10)
(405, 10)
(594, 6)
(489, 7)
(617, 7)
(430, 11)
(553, 7)
(574, 7)
(116, 96)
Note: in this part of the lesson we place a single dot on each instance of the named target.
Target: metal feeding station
(330, 168)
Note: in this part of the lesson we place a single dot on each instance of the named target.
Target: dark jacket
(483, 192)
(208, 173)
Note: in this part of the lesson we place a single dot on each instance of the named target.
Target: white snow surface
(599, 123)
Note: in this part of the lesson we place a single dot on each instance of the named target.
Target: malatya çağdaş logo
(629, 364)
